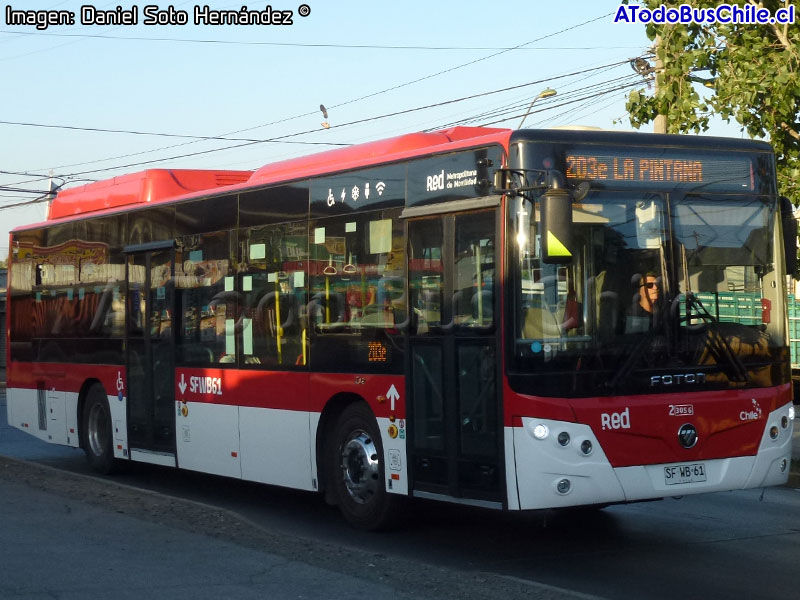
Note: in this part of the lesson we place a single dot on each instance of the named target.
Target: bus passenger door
(454, 419)
(150, 353)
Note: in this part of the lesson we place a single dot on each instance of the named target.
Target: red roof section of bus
(392, 149)
(160, 185)
(153, 185)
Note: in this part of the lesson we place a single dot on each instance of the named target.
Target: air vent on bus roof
(232, 177)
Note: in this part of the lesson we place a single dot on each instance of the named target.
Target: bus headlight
(541, 431)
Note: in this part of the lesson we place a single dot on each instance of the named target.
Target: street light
(545, 93)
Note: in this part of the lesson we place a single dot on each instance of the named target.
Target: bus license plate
(691, 473)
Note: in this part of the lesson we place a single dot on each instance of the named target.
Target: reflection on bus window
(206, 301)
(357, 290)
(590, 315)
(273, 283)
(473, 295)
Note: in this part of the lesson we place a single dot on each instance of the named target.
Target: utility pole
(660, 122)
(52, 187)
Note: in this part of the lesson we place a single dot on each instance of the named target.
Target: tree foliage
(751, 73)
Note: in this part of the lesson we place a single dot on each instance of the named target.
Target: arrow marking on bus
(182, 384)
(393, 395)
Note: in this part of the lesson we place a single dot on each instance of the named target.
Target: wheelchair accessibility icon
(120, 386)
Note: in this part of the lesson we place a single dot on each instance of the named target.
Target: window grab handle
(278, 319)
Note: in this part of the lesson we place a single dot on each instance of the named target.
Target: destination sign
(642, 169)
(607, 166)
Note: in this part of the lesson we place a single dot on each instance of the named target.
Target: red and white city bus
(508, 319)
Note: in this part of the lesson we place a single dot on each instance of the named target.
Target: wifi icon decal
(380, 186)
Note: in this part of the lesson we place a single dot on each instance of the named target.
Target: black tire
(355, 471)
(98, 435)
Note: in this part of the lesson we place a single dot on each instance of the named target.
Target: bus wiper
(660, 327)
(632, 360)
(717, 344)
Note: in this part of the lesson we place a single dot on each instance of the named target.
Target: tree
(752, 73)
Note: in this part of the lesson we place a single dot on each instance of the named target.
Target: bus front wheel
(356, 470)
(98, 440)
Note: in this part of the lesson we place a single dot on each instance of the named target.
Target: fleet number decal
(201, 385)
(205, 385)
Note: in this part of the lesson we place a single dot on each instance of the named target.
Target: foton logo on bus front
(620, 420)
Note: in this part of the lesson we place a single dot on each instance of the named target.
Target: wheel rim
(97, 430)
(361, 467)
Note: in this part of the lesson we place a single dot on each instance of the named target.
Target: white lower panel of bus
(258, 444)
(549, 475)
(276, 447)
(49, 415)
(271, 446)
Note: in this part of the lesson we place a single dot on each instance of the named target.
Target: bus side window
(357, 288)
(274, 326)
(203, 272)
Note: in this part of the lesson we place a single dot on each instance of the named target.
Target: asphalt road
(56, 546)
(732, 545)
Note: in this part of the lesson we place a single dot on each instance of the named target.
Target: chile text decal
(754, 414)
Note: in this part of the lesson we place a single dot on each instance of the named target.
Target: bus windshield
(663, 288)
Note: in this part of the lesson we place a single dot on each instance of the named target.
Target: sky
(380, 68)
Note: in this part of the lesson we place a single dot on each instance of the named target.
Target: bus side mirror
(556, 209)
(500, 179)
(789, 225)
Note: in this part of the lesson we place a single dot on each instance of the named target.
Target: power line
(354, 100)
(583, 98)
(38, 200)
(596, 95)
(356, 122)
(522, 100)
(21, 190)
(467, 64)
(512, 110)
(282, 138)
(303, 45)
(406, 111)
(270, 140)
(168, 135)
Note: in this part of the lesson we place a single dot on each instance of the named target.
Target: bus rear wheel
(98, 439)
(356, 470)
